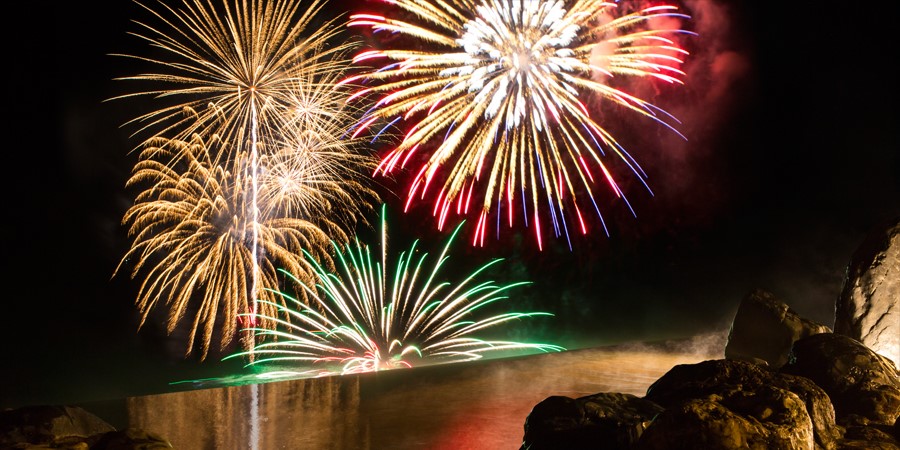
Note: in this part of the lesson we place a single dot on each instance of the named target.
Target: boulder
(70, 428)
(868, 308)
(869, 438)
(863, 385)
(786, 382)
(130, 439)
(604, 420)
(765, 418)
(866, 445)
(720, 379)
(46, 424)
(764, 329)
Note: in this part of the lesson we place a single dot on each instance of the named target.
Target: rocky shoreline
(834, 393)
(785, 382)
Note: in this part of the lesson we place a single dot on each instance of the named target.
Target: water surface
(475, 405)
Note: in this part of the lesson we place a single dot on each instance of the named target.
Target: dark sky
(792, 157)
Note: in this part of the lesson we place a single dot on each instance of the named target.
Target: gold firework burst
(257, 172)
(194, 238)
(231, 68)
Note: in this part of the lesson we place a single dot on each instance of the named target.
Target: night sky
(792, 156)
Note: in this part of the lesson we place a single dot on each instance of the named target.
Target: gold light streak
(249, 163)
(194, 241)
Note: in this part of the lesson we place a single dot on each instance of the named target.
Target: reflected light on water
(477, 405)
(254, 417)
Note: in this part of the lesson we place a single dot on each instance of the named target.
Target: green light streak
(345, 323)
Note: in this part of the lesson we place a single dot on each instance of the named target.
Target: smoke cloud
(684, 160)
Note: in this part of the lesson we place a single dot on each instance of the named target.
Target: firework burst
(194, 240)
(315, 169)
(251, 166)
(502, 89)
(367, 316)
(232, 69)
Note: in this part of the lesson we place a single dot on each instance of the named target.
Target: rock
(688, 382)
(604, 420)
(785, 383)
(766, 418)
(868, 438)
(764, 329)
(46, 424)
(861, 383)
(69, 428)
(130, 439)
(866, 445)
(868, 308)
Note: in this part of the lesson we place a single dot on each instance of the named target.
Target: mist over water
(475, 405)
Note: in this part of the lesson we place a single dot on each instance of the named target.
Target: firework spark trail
(263, 93)
(192, 237)
(233, 75)
(500, 88)
(232, 70)
(367, 317)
